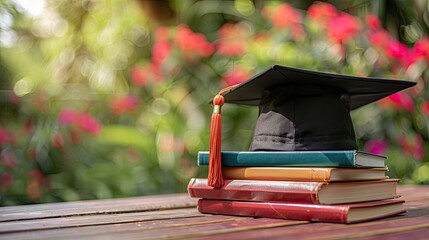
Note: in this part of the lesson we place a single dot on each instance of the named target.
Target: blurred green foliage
(103, 99)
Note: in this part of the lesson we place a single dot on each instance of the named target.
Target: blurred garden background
(104, 99)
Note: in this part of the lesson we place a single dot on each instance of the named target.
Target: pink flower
(8, 159)
(124, 104)
(373, 22)
(6, 179)
(322, 13)
(67, 116)
(343, 27)
(6, 136)
(14, 99)
(376, 146)
(283, 16)
(421, 48)
(425, 108)
(88, 123)
(379, 39)
(84, 121)
(396, 50)
(235, 75)
(404, 100)
(232, 40)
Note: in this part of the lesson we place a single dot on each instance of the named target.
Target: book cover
(348, 213)
(346, 158)
(304, 173)
(295, 192)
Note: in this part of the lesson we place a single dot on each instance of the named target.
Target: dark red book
(295, 192)
(350, 213)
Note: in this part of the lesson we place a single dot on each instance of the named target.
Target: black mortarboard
(303, 110)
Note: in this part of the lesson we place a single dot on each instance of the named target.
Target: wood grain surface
(175, 216)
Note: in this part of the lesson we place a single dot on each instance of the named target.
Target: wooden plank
(92, 203)
(417, 220)
(418, 234)
(170, 228)
(413, 192)
(92, 230)
(174, 216)
(93, 220)
(190, 231)
(53, 210)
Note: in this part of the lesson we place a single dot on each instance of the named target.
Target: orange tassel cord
(215, 178)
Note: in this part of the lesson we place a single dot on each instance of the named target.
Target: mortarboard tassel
(215, 178)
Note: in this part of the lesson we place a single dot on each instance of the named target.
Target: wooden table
(175, 217)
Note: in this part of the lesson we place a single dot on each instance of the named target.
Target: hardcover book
(343, 158)
(304, 173)
(349, 213)
(295, 192)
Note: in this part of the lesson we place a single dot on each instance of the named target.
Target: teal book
(343, 158)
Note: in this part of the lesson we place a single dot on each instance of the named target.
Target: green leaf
(123, 136)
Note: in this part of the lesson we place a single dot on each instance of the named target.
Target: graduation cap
(299, 110)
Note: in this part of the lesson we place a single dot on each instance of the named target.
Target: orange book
(304, 173)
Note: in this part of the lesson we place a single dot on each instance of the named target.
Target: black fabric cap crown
(307, 110)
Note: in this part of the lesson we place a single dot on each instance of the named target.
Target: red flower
(162, 47)
(421, 48)
(57, 140)
(162, 34)
(160, 51)
(124, 104)
(376, 146)
(232, 40)
(139, 75)
(235, 75)
(28, 127)
(6, 136)
(373, 22)
(322, 13)
(283, 16)
(343, 27)
(192, 44)
(35, 179)
(412, 146)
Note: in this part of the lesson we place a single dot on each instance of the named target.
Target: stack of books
(326, 186)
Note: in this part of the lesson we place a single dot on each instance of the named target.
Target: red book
(350, 213)
(295, 192)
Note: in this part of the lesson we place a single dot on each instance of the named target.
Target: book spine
(277, 174)
(257, 191)
(247, 159)
(302, 212)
